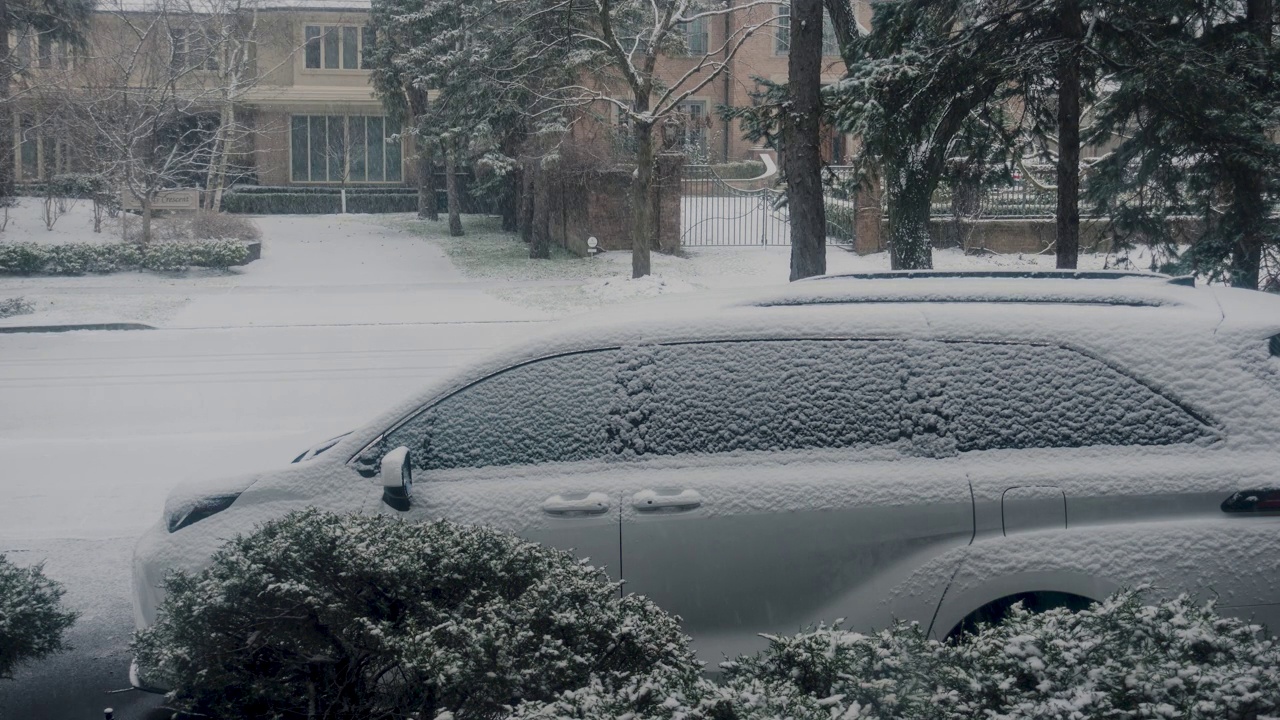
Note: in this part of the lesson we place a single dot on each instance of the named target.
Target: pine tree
(920, 81)
(1194, 104)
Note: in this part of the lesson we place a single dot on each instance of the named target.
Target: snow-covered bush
(1121, 659)
(32, 619)
(341, 616)
(86, 258)
(1118, 659)
(15, 306)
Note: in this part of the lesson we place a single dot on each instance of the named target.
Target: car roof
(1143, 320)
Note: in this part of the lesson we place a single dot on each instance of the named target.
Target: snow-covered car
(922, 446)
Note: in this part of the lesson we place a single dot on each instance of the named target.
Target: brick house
(311, 89)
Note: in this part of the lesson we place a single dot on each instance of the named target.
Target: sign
(183, 199)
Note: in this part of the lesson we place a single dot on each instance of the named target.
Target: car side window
(1037, 396)
(933, 398)
(552, 410)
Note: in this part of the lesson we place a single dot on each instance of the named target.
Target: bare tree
(621, 43)
(149, 120)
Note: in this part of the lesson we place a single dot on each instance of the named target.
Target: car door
(525, 450)
(777, 484)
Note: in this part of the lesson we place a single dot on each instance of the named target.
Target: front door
(525, 450)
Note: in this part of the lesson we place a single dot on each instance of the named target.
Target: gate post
(666, 201)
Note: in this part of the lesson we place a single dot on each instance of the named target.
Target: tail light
(1247, 501)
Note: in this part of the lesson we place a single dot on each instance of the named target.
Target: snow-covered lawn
(567, 284)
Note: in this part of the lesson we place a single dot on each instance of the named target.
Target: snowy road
(340, 319)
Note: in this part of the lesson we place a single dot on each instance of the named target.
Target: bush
(740, 170)
(15, 306)
(32, 620)
(309, 200)
(841, 219)
(85, 258)
(341, 616)
(22, 258)
(1117, 659)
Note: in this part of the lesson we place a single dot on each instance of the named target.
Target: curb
(69, 328)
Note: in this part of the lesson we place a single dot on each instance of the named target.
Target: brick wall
(583, 203)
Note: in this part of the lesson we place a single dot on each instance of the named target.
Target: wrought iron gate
(715, 211)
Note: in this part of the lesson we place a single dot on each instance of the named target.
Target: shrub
(264, 200)
(841, 218)
(84, 258)
(1116, 659)
(32, 620)
(15, 306)
(21, 258)
(740, 170)
(342, 616)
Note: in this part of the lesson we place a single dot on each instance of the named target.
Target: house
(302, 97)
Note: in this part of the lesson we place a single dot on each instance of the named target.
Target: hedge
(304, 201)
(85, 258)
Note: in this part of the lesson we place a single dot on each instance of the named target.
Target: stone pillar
(667, 201)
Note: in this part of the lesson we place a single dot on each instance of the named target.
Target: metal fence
(715, 211)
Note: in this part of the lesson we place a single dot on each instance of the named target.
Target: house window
(192, 50)
(695, 36)
(344, 149)
(32, 49)
(693, 129)
(41, 153)
(782, 36)
(336, 47)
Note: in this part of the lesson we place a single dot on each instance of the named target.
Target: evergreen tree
(1194, 105)
(917, 85)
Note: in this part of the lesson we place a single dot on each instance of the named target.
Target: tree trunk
(451, 187)
(526, 201)
(909, 198)
(7, 150)
(807, 213)
(146, 219)
(1249, 210)
(509, 200)
(427, 203)
(221, 157)
(1071, 28)
(641, 199)
(540, 244)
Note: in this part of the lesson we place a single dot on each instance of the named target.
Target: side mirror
(397, 478)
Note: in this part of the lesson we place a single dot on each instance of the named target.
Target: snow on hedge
(1119, 660)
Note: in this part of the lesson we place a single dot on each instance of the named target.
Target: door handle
(671, 500)
(571, 504)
